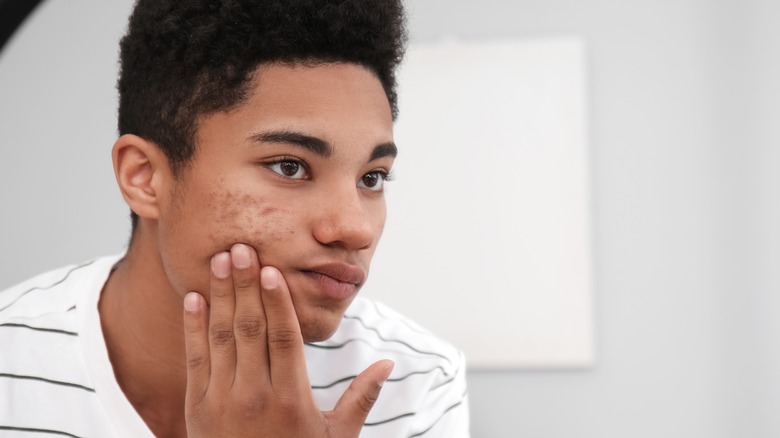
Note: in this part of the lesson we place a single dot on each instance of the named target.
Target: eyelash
(385, 176)
(281, 160)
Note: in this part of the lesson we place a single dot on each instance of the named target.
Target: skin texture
(244, 194)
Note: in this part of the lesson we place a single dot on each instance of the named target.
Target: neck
(141, 317)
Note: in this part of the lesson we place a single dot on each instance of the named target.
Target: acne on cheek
(248, 219)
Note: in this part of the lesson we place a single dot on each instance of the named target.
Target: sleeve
(445, 411)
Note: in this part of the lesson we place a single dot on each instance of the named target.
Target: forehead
(292, 90)
(340, 103)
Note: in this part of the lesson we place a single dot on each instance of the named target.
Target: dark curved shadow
(12, 14)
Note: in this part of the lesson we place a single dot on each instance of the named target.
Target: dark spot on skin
(241, 217)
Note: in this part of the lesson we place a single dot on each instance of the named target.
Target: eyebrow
(317, 145)
(313, 144)
(384, 150)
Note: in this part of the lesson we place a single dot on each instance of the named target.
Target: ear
(142, 172)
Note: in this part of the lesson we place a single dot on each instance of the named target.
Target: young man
(256, 138)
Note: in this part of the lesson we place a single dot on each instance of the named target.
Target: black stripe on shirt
(67, 274)
(41, 329)
(27, 429)
(402, 321)
(329, 385)
(378, 423)
(42, 379)
(430, 353)
(446, 382)
(414, 354)
(451, 379)
(411, 414)
(396, 379)
(441, 416)
(414, 373)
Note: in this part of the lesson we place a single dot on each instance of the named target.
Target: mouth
(339, 281)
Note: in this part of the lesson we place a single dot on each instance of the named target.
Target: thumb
(354, 405)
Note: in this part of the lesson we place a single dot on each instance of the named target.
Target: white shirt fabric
(56, 378)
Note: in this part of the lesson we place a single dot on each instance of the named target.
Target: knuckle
(221, 291)
(222, 334)
(289, 407)
(196, 361)
(250, 404)
(366, 400)
(196, 413)
(249, 328)
(193, 328)
(243, 281)
(283, 339)
(201, 410)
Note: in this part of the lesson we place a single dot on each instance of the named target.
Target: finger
(249, 323)
(196, 342)
(221, 336)
(285, 342)
(354, 405)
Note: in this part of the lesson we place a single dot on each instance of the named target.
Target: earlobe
(140, 168)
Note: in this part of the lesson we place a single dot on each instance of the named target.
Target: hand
(246, 372)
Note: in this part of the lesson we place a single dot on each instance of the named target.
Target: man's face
(296, 172)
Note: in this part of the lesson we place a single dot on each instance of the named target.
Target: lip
(337, 280)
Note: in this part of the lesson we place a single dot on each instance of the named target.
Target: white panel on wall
(487, 239)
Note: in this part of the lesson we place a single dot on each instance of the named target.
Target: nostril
(351, 233)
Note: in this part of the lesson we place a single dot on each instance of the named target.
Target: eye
(374, 181)
(288, 168)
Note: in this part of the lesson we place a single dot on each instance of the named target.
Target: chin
(321, 327)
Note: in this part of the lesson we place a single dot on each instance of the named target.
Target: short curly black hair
(183, 59)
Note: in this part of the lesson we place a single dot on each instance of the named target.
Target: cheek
(253, 220)
(195, 232)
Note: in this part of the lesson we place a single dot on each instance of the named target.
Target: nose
(345, 221)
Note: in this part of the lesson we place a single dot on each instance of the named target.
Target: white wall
(685, 157)
(59, 203)
(684, 101)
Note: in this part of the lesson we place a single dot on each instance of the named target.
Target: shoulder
(43, 374)
(427, 389)
(43, 310)
(45, 293)
(54, 291)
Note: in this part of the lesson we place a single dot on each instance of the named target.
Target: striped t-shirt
(56, 378)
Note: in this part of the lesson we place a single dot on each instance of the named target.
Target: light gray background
(686, 177)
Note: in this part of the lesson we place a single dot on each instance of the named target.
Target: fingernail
(242, 258)
(192, 302)
(388, 370)
(220, 265)
(269, 278)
